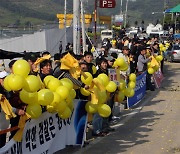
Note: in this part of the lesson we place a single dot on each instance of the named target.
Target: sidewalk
(125, 115)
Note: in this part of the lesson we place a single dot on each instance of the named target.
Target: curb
(124, 118)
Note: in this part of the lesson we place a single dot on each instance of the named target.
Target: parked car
(173, 54)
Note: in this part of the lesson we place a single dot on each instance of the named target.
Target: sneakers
(115, 118)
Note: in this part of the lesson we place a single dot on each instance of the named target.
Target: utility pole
(95, 22)
(76, 27)
(65, 30)
(83, 27)
(121, 10)
(125, 20)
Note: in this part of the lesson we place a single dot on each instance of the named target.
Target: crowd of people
(136, 53)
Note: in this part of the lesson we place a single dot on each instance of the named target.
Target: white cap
(3, 74)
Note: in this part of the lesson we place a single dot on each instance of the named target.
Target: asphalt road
(153, 127)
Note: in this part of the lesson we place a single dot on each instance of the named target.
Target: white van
(106, 34)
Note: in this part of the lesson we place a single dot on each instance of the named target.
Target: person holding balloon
(142, 67)
(4, 123)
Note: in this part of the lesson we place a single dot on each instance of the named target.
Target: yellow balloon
(115, 64)
(27, 97)
(61, 106)
(69, 100)
(63, 92)
(161, 45)
(159, 58)
(47, 79)
(164, 49)
(111, 87)
(122, 84)
(94, 69)
(104, 78)
(32, 83)
(5, 83)
(129, 92)
(50, 109)
(149, 64)
(45, 97)
(151, 70)
(15, 82)
(66, 114)
(72, 93)
(21, 67)
(67, 83)
(57, 99)
(91, 108)
(156, 67)
(34, 110)
(104, 110)
(132, 77)
(88, 79)
(120, 62)
(124, 67)
(120, 97)
(84, 92)
(53, 84)
(102, 97)
(71, 105)
(132, 84)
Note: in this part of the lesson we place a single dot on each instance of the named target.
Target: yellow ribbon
(40, 60)
(68, 62)
(22, 121)
(42, 84)
(6, 107)
(154, 62)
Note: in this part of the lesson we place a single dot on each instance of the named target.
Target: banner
(118, 20)
(139, 90)
(158, 78)
(113, 75)
(50, 133)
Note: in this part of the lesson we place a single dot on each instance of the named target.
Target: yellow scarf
(6, 107)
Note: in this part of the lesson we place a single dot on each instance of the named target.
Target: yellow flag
(22, 121)
(154, 62)
(6, 107)
(68, 62)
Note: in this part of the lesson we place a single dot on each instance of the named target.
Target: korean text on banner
(139, 90)
(50, 133)
(158, 78)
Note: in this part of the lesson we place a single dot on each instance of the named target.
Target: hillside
(26, 12)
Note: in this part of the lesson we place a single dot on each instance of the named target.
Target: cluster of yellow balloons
(164, 47)
(121, 64)
(154, 66)
(107, 87)
(63, 93)
(126, 90)
(56, 97)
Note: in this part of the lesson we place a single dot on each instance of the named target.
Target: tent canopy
(9, 54)
(176, 9)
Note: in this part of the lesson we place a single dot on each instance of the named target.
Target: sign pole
(95, 22)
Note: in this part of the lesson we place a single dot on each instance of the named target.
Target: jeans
(97, 123)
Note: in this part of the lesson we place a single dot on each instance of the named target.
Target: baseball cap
(3, 74)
